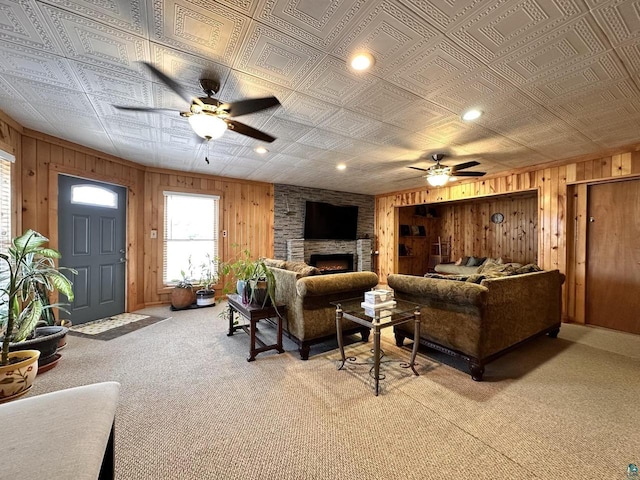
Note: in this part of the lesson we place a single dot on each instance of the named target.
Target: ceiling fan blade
(468, 174)
(244, 107)
(248, 131)
(172, 84)
(144, 109)
(418, 168)
(462, 166)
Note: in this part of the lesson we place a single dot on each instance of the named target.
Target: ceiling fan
(438, 174)
(209, 118)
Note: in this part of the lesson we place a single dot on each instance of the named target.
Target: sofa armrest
(321, 285)
(80, 419)
(438, 291)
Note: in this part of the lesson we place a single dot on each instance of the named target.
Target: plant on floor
(208, 278)
(28, 268)
(182, 295)
(27, 273)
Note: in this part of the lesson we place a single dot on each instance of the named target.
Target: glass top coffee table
(377, 319)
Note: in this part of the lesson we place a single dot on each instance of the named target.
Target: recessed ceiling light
(261, 150)
(362, 61)
(342, 166)
(471, 114)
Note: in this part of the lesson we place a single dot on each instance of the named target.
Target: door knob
(122, 250)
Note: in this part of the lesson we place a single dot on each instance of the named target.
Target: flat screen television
(323, 221)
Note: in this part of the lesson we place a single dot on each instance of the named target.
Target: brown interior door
(613, 256)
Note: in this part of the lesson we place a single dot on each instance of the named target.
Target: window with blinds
(190, 234)
(5, 205)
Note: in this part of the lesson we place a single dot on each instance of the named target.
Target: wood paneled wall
(247, 218)
(553, 184)
(469, 226)
(247, 206)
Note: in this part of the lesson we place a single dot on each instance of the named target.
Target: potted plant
(27, 267)
(255, 282)
(208, 278)
(182, 295)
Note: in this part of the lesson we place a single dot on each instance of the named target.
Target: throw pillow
(475, 261)
(302, 268)
(528, 268)
(272, 262)
(459, 262)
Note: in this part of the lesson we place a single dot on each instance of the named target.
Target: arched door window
(94, 195)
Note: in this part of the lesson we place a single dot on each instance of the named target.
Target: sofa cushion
(301, 268)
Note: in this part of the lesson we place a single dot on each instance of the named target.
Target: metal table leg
(339, 335)
(376, 356)
(416, 340)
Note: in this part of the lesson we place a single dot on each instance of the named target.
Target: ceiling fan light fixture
(341, 166)
(438, 180)
(361, 61)
(472, 114)
(261, 150)
(207, 126)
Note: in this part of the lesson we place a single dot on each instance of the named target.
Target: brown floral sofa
(485, 317)
(308, 295)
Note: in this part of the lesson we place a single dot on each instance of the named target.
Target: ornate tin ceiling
(554, 78)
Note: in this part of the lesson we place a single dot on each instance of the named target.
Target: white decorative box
(378, 306)
(375, 297)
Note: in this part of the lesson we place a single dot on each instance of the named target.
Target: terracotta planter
(182, 297)
(16, 378)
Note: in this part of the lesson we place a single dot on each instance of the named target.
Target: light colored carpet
(192, 407)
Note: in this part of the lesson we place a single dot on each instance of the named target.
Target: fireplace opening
(332, 263)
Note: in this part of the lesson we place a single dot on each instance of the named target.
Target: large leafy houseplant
(28, 267)
(259, 281)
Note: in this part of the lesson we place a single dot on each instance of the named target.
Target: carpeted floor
(192, 407)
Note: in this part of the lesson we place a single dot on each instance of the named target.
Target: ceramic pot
(205, 297)
(260, 297)
(17, 378)
(45, 341)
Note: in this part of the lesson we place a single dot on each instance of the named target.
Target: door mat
(113, 327)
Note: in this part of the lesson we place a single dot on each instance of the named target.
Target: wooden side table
(253, 314)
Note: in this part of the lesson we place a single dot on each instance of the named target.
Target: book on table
(378, 306)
